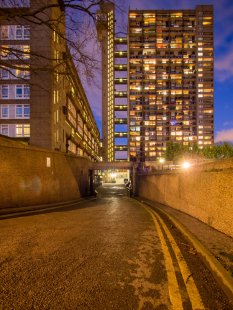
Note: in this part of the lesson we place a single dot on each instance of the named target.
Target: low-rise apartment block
(42, 100)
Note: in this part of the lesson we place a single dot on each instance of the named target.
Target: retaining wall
(30, 176)
(204, 192)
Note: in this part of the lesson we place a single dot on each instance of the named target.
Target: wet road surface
(106, 253)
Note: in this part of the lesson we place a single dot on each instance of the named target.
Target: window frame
(5, 87)
(17, 86)
(18, 115)
(8, 74)
(5, 106)
(2, 127)
(18, 27)
(8, 32)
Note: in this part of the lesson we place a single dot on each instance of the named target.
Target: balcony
(121, 121)
(120, 107)
(120, 94)
(121, 134)
(120, 67)
(120, 41)
(121, 148)
(121, 54)
(121, 81)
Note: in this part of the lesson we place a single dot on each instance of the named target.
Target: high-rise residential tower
(170, 80)
(114, 86)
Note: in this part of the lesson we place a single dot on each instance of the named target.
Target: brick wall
(204, 192)
(27, 178)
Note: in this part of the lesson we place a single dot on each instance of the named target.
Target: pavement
(106, 253)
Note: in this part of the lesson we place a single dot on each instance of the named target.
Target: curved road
(105, 253)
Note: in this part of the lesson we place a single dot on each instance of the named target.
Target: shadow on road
(104, 192)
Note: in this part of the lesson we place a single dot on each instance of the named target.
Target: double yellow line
(173, 286)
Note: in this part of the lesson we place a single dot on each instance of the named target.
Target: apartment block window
(22, 130)
(4, 111)
(4, 73)
(4, 130)
(15, 51)
(22, 32)
(15, 32)
(26, 111)
(22, 111)
(4, 32)
(26, 32)
(19, 111)
(19, 32)
(22, 72)
(5, 91)
(22, 91)
(4, 51)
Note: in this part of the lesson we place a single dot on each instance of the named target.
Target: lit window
(4, 32)
(19, 131)
(27, 130)
(22, 130)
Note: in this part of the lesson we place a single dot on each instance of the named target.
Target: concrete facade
(204, 192)
(38, 176)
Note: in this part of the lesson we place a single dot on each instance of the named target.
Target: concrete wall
(204, 192)
(26, 178)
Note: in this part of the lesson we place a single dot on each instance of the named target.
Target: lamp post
(162, 161)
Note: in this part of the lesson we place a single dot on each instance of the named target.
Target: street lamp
(186, 165)
(162, 161)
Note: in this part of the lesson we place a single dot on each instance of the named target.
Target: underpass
(111, 252)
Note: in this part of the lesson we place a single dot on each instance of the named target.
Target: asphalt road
(106, 253)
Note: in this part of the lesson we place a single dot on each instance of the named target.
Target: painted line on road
(191, 287)
(173, 287)
(221, 275)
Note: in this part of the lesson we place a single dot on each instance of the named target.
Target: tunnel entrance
(110, 173)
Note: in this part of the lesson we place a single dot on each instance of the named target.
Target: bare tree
(70, 22)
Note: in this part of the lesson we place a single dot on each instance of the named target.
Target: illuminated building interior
(170, 78)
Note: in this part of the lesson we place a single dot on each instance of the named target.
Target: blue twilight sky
(223, 43)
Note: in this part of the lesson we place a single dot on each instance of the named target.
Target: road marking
(173, 286)
(192, 290)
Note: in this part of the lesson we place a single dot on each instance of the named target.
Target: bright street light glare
(186, 165)
(113, 175)
(161, 160)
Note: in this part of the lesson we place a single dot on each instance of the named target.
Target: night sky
(223, 42)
